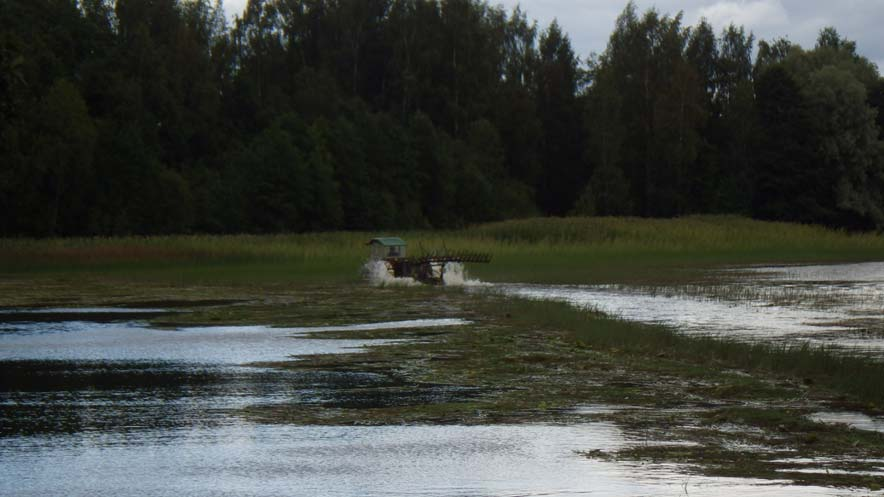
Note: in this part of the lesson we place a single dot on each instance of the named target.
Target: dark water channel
(95, 402)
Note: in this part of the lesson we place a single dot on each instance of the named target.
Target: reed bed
(807, 296)
(563, 250)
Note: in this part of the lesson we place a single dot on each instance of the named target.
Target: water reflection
(864, 272)
(121, 376)
(134, 341)
(834, 305)
(55, 397)
(116, 408)
(90, 314)
(257, 460)
(385, 325)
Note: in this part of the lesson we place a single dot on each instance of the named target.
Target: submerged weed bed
(855, 376)
(524, 361)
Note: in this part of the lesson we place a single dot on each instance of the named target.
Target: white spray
(378, 273)
(456, 275)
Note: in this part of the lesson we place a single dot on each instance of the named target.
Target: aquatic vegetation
(564, 250)
(518, 361)
(852, 375)
(535, 360)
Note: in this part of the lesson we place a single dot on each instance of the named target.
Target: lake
(96, 402)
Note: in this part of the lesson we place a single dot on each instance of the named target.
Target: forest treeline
(159, 116)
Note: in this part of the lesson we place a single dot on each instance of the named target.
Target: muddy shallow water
(98, 403)
(834, 305)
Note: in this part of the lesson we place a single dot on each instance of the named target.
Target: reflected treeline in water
(105, 371)
(44, 397)
(392, 394)
(60, 315)
(47, 397)
(49, 376)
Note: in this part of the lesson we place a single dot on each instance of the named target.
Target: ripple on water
(259, 460)
(138, 411)
(835, 305)
(135, 341)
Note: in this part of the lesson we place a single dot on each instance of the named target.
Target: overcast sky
(589, 22)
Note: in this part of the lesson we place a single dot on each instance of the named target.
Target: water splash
(379, 274)
(456, 275)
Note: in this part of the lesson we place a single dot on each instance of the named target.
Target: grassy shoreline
(553, 250)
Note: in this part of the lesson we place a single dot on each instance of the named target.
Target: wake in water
(378, 273)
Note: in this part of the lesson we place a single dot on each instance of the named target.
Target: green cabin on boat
(387, 248)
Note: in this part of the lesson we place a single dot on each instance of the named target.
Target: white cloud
(755, 14)
(234, 7)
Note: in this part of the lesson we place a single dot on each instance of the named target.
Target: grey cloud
(589, 22)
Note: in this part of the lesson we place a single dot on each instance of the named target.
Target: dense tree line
(157, 116)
